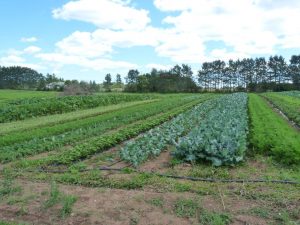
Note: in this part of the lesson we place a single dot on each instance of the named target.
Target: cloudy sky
(85, 39)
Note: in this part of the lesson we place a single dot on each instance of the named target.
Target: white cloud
(113, 14)
(248, 27)
(32, 50)
(102, 41)
(14, 60)
(97, 64)
(11, 60)
(158, 66)
(29, 39)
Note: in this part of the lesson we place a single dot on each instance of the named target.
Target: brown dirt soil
(158, 164)
(116, 206)
(251, 220)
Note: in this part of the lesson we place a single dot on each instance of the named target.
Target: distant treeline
(17, 77)
(248, 74)
(257, 75)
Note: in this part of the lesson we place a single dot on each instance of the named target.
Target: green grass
(213, 218)
(54, 196)
(8, 95)
(190, 208)
(67, 205)
(57, 197)
(290, 105)
(271, 134)
(8, 187)
(158, 202)
(186, 208)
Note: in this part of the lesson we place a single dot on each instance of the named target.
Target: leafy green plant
(221, 137)
(155, 140)
(27, 108)
(287, 102)
(271, 134)
(53, 137)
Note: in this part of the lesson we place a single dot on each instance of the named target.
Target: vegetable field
(144, 141)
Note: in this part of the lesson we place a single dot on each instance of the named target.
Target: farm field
(150, 159)
(288, 103)
(8, 95)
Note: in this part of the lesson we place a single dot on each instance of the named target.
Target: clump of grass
(156, 202)
(189, 208)
(68, 202)
(186, 208)
(56, 197)
(7, 186)
(213, 218)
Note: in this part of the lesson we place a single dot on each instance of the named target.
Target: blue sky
(85, 39)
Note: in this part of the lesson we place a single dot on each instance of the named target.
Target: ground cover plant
(288, 103)
(271, 134)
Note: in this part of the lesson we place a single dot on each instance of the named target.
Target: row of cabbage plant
(155, 140)
(221, 137)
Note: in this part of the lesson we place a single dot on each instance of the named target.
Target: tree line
(256, 75)
(248, 74)
(251, 74)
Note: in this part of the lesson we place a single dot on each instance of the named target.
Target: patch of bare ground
(157, 164)
(95, 206)
(117, 206)
(246, 219)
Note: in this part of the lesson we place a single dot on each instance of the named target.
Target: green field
(80, 147)
(7, 95)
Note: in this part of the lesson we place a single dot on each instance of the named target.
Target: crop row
(56, 129)
(107, 122)
(290, 105)
(91, 122)
(52, 120)
(271, 134)
(155, 140)
(290, 93)
(28, 108)
(105, 141)
(221, 137)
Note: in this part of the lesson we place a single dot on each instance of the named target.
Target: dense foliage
(271, 134)
(291, 93)
(288, 103)
(19, 77)
(33, 107)
(221, 137)
(154, 141)
(107, 140)
(251, 74)
(177, 79)
(44, 138)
